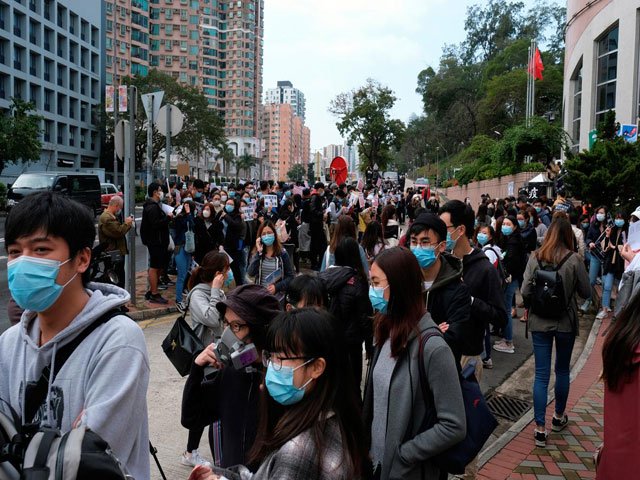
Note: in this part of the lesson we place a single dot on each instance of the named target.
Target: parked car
(108, 191)
(421, 183)
(81, 187)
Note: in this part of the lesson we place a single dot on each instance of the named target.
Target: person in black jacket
(227, 395)
(288, 215)
(208, 231)
(447, 298)
(482, 278)
(515, 261)
(595, 237)
(235, 229)
(154, 233)
(348, 290)
(316, 226)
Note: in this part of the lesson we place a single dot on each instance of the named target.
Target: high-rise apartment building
(50, 54)
(287, 139)
(214, 45)
(285, 93)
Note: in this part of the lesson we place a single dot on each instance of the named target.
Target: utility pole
(168, 144)
(150, 121)
(130, 194)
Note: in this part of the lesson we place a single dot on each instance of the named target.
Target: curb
(140, 315)
(489, 452)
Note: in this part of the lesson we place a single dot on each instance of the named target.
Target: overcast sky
(330, 46)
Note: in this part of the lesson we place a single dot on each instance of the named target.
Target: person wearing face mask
(543, 213)
(154, 233)
(205, 292)
(448, 299)
(394, 408)
(514, 261)
(234, 229)
(288, 214)
(48, 239)
(112, 233)
(527, 231)
(613, 266)
(184, 222)
(271, 265)
(595, 236)
(307, 427)
(197, 191)
(227, 395)
(208, 231)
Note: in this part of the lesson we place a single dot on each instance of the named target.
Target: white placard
(634, 235)
(166, 208)
(270, 201)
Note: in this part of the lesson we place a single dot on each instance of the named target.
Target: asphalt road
(141, 264)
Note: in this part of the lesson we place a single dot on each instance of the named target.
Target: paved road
(141, 264)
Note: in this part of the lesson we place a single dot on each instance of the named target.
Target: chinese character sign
(123, 99)
(109, 98)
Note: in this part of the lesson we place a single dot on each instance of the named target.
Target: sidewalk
(569, 454)
(143, 309)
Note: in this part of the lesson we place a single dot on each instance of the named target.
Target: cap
(432, 222)
(252, 303)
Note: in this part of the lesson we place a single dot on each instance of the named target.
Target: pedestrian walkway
(569, 454)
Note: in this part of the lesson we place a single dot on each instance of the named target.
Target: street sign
(121, 138)
(169, 118)
(156, 101)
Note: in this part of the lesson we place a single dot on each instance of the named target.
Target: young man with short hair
(103, 383)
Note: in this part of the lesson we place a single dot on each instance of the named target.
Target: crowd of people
(383, 268)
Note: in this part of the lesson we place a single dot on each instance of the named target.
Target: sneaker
(147, 296)
(504, 347)
(181, 306)
(157, 298)
(558, 424)
(193, 459)
(541, 438)
(604, 313)
(598, 281)
(488, 364)
(584, 308)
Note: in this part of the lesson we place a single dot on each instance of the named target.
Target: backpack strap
(424, 337)
(39, 392)
(562, 262)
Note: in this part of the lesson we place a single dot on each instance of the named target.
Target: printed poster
(270, 201)
(123, 98)
(629, 133)
(109, 98)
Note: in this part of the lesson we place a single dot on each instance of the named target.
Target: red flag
(535, 66)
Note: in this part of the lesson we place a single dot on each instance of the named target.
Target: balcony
(3, 94)
(32, 38)
(47, 76)
(59, 140)
(33, 71)
(17, 31)
(47, 137)
(2, 23)
(60, 82)
(59, 110)
(17, 64)
(47, 107)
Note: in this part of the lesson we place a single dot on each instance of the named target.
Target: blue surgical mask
(451, 243)
(268, 239)
(229, 278)
(522, 223)
(600, 217)
(506, 230)
(619, 222)
(232, 194)
(376, 296)
(483, 238)
(585, 225)
(32, 282)
(198, 195)
(288, 193)
(426, 256)
(229, 208)
(538, 209)
(280, 385)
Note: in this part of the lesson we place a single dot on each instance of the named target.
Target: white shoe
(193, 459)
(584, 308)
(604, 313)
(504, 347)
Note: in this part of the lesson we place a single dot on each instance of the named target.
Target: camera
(232, 352)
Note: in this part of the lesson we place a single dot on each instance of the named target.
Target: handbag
(189, 240)
(181, 344)
(480, 421)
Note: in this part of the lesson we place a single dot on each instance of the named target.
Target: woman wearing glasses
(394, 408)
(307, 427)
(219, 393)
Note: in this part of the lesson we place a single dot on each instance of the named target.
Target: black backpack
(548, 300)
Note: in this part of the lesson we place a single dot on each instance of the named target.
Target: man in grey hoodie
(103, 384)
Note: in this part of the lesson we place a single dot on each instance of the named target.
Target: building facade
(602, 65)
(285, 93)
(50, 54)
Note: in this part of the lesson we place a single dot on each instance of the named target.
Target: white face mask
(224, 198)
(206, 213)
(161, 195)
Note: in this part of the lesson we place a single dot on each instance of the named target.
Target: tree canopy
(19, 134)
(296, 173)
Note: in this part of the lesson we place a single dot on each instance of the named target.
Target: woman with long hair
(308, 427)
(271, 265)
(394, 409)
(594, 241)
(556, 253)
(345, 227)
(621, 376)
(614, 238)
(390, 225)
(205, 292)
(347, 286)
(306, 291)
(373, 241)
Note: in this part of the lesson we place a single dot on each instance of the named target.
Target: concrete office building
(602, 65)
(285, 93)
(50, 54)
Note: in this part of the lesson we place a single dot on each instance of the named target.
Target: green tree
(364, 118)
(605, 174)
(296, 173)
(310, 173)
(19, 134)
(244, 163)
(227, 156)
(203, 127)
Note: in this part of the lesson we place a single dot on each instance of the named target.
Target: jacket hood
(476, 255)
(201, 287)
(103, 297)
(450, 271)
(336, 277)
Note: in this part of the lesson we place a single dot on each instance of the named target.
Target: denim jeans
(542, 345)
(607, 286)
(509, 294)
(595, 268)
(486, 355)
(183, 263)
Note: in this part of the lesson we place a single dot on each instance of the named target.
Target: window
(607, 73)
(576, 88)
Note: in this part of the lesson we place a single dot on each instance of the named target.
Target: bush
(141, 194)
